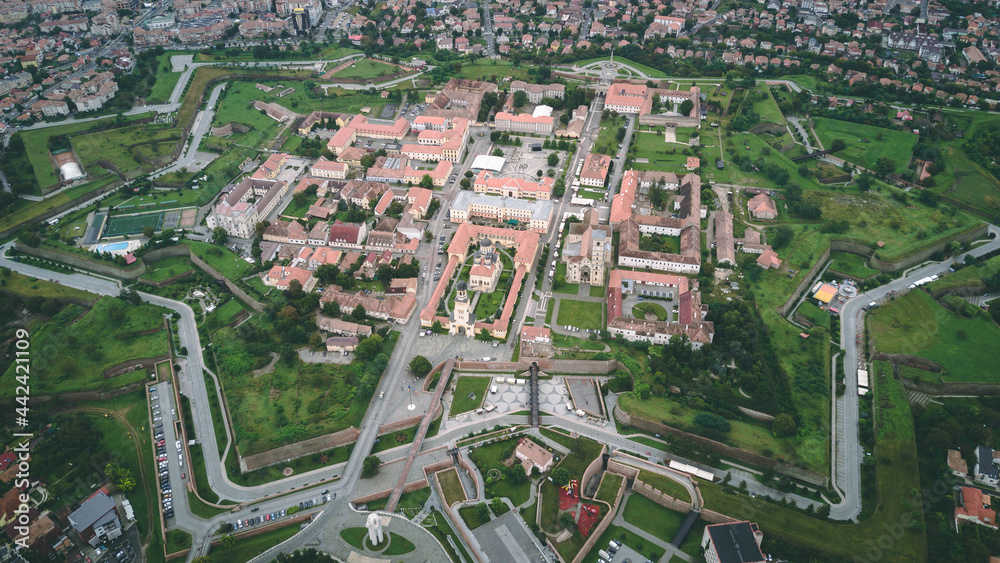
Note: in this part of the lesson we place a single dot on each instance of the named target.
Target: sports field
(133, 223)
(866, 144)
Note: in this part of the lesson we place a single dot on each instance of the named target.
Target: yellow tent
(825, 293)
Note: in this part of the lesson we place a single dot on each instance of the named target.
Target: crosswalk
(917, 397)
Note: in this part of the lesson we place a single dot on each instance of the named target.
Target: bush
(713, 421)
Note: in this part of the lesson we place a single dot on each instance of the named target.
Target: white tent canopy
(487, 162)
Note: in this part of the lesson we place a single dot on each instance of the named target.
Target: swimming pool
(110, 247)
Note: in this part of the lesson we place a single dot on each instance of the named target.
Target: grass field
(609, 488)
(560, 285)
(897, 145)
(74, 354)
(132, 149)
(291, 403)
(167, 268)
(641, 310)
(491, 457)
(225, 261)
(764, 104)
(916, 324)
(582, 314)
(851, 264)
(229, 311)
(469, 393)
(163, 87)
(564, 341)
(652, 518)
(26, 287)
(665, 157)
(665, 485)
(814, 314)
(451, 486)
(583, 451)
(366, 69)
(971, 276)
(468, 513)
(36, 146)
(412, 499)
(607, 141)
(742, 434)
(898, 493)
(246, 549)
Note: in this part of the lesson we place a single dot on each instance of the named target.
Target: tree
(327, 274)
(30, 239)
(482, 511)
(369, 467)
(686, 107)
(331, 309)
(780, 236)
(220, 236)
(553, 159)
(784, 425)
(121, 476)
(465, 183)
(148, 232)
(884, 166)
(497, 152)
(520, 99)
(358, 313)
(838, 145)
(566, 520)
(437, 327)
(368, 348)
(426, 182)
(384, 274)
(420, 366)
(560, 476)
(496, 504)
(295, 289)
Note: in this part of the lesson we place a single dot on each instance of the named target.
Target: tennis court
(134, 223)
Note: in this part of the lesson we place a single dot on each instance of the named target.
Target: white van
(493, 389)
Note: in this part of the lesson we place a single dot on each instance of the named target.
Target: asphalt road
(848, 451)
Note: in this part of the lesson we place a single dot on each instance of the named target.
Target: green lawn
(816, 316)
(582, 314)
(74, 354)
(851, 264)
(559, 284)
(607, 140)
(248, 548)
(355, 537)
(582, 451)
(898, 486)
(293, 402)
(468, 513)
(742, 434)
(451, 486)
(36, 144)
(764, 105)
(469, 393)
(163, 87)
(366, 69)
(223, 260)
(652, 518)
(665, 485)
(13, 282)
(398, 545)
(490, 457)
(971, 276)
(441, 530)
(564, 341)
(133, 148)
(178, 540)
(897, 145)
(609, 488)
(229, 311)
(665, 157)
(641, 310)
(916, 324)
(167, 268)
